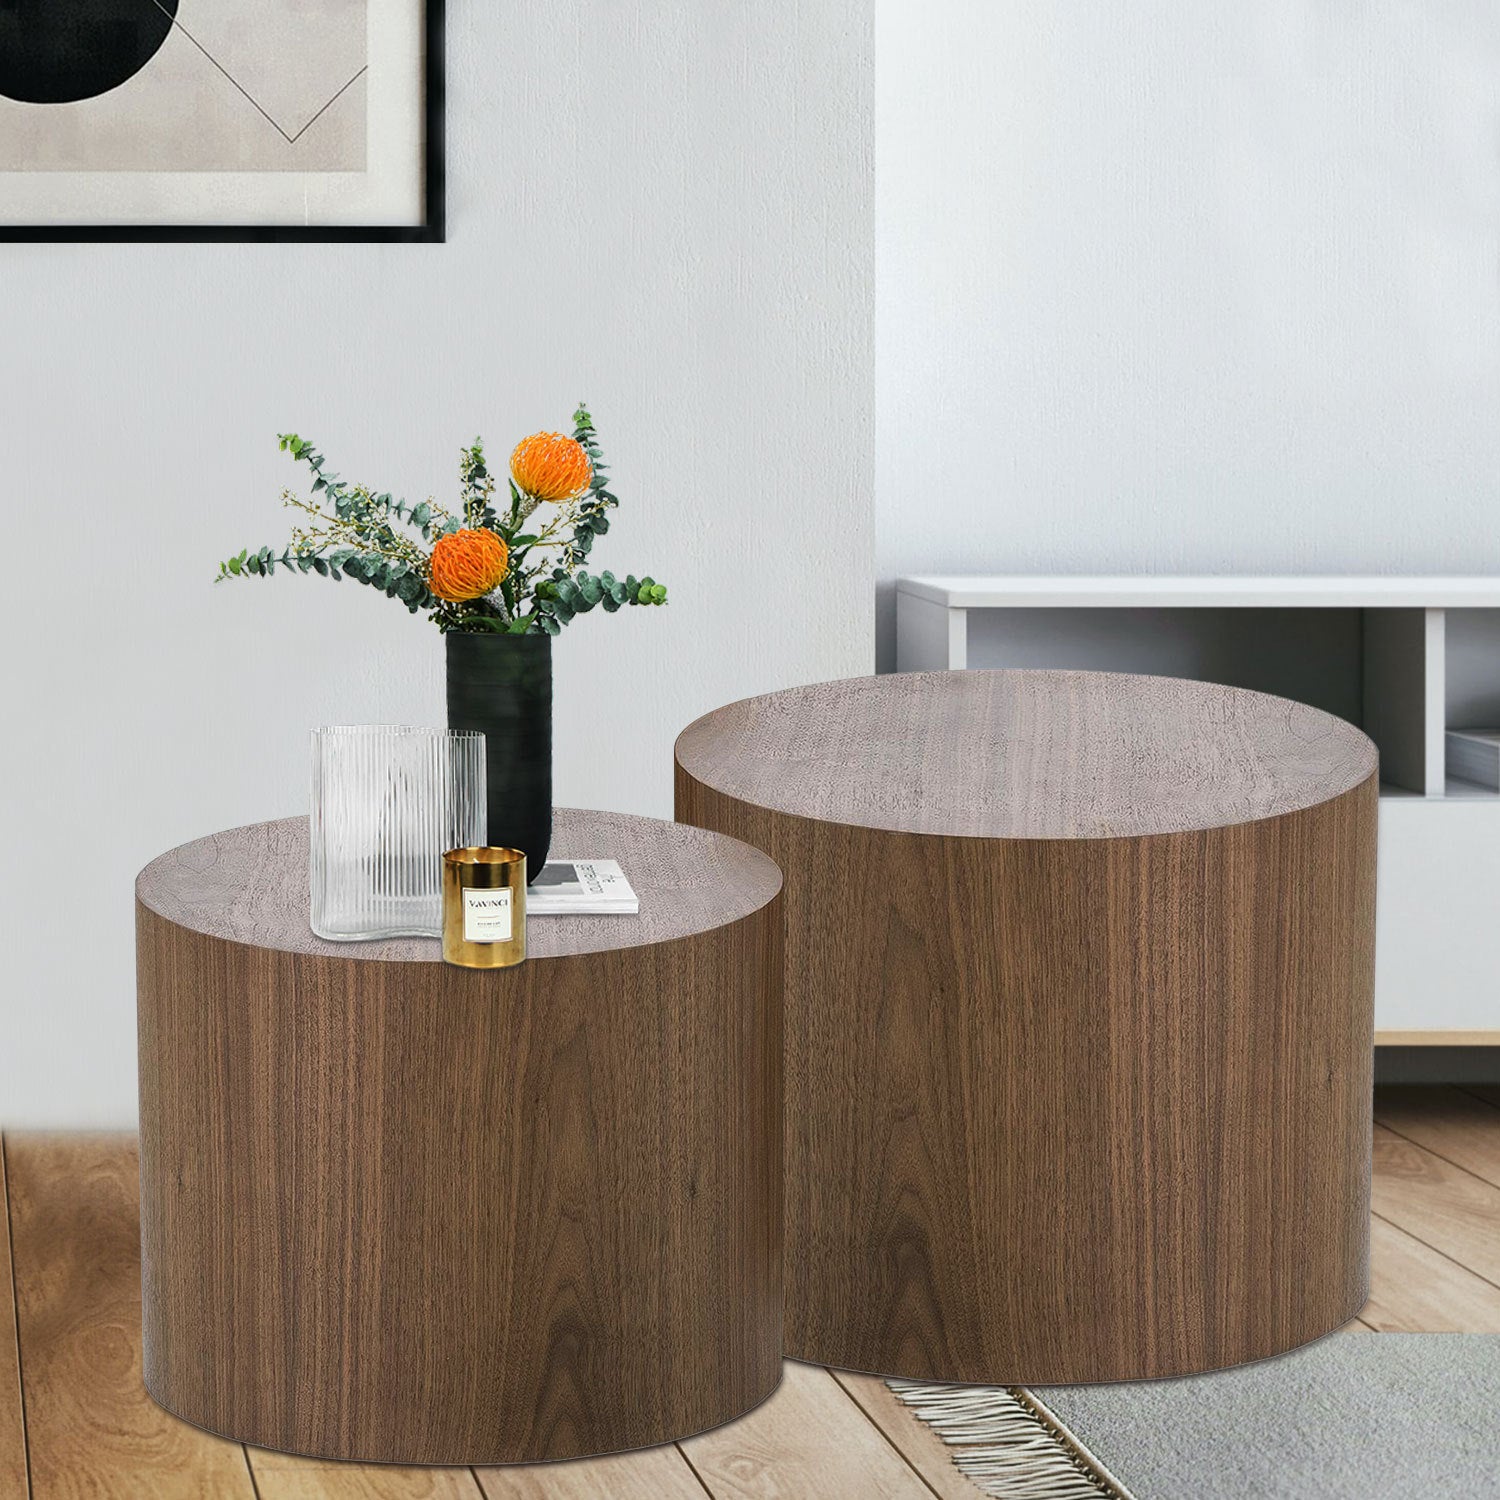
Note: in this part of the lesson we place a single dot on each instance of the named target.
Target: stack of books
(581, 888)
(1474, 755)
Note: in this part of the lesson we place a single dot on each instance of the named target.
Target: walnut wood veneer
(397, 1211)
(1078, 1016)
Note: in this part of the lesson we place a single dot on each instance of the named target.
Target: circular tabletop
(250, 885)
(1026, 754)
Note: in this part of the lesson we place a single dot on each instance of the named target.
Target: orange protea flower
(549, 466)
(467, 565)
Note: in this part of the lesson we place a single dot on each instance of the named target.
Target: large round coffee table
(397, 1211)
(1079, 1026)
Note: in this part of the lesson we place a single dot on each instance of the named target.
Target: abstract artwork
(231, 118)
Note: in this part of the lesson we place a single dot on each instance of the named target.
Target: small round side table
(1079, 1016)
(400, 1212)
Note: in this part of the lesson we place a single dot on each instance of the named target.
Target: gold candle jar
(484, 907)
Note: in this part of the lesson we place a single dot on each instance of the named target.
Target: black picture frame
(433, 229)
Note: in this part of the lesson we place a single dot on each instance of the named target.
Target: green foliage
(564, 595)
(356, 536)
(593, 517)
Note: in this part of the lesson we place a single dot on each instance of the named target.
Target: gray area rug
(1355, 1416)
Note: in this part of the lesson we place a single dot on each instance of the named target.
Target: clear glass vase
(387, 801)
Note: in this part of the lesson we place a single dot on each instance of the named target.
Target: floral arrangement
(483, 569)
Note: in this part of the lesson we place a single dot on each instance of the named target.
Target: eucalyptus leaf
(355, 532)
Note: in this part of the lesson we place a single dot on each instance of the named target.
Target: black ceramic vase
(502, 684)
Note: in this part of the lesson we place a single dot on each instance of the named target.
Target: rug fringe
(1008, 1444)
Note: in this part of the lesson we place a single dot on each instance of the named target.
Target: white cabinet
(1437, 920)
(1405, 658)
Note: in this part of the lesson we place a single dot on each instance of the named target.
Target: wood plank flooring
(809, 1439)
(12, 1414)
(75, 1421)
(92, 1433)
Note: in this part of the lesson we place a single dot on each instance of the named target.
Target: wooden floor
(75, 1421)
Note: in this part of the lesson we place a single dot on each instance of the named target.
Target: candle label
(487, 915)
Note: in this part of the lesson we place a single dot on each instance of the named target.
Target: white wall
(1167, 287)
(661, 207)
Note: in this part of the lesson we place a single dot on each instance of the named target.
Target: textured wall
(662, 207)
(1167, 287)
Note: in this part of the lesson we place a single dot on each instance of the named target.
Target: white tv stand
(1405, 658)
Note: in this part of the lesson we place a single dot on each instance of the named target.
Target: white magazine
(579, 888)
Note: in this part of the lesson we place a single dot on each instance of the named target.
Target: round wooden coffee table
(1079, 1016)
(397, 1211)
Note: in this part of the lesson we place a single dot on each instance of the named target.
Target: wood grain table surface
(397, 1211)
(1079, 1016)
(1026, 755)
(250, 885)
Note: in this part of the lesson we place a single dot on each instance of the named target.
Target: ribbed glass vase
(387, 802)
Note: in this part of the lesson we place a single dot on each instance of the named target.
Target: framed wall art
(221, 119)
